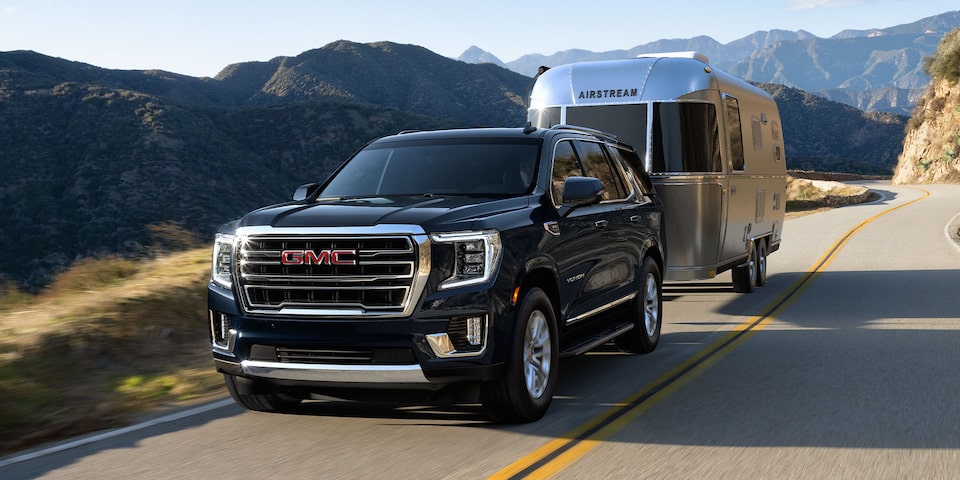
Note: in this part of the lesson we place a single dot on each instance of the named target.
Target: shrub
(946, 62)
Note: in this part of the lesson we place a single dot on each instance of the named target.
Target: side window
(734, 132)
(632, 166)
(565, 165)
(596, 164)
(686, 138)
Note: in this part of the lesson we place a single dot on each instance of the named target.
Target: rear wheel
(646, 312)
(261, 402)
(745, 276)
(761, 263)
(526, 389)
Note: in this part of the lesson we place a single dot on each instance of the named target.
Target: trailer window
(734, 131)
(629, 122)
(544, 117)
(685, 138)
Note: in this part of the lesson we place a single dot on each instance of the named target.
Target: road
(843, 366)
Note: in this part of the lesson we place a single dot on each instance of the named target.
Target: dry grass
(108, 339)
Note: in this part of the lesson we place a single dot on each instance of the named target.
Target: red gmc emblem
(321, 257)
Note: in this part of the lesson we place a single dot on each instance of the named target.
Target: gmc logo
(322, 257)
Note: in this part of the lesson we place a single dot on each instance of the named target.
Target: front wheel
(647, 312)
(526, 389)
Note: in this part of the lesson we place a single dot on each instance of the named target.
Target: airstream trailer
(712, 143)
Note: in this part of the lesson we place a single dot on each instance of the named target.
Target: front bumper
(356, 352)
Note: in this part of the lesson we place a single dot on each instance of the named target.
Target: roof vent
(691, 54)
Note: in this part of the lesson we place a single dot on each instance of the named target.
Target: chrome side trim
(335, 373)
(601, 308)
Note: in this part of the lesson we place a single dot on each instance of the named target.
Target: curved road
(845, 365)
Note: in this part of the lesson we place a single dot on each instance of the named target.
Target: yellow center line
(557, 454)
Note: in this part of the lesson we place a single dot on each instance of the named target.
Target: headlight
(222, 260)
(476, 255)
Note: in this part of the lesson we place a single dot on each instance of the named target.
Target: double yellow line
(558, 454)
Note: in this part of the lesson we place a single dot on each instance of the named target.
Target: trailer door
(740, 195)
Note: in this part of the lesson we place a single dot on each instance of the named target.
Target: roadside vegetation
(113, 338)
(108, 339)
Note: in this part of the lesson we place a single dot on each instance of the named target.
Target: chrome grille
(386, 278)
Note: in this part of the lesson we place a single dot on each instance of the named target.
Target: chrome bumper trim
(335, 373)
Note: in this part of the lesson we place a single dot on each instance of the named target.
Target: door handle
(601, 223)
(634, 218)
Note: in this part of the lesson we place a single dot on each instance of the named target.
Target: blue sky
(200, 37)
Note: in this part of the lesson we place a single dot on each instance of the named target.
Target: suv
(461, 263)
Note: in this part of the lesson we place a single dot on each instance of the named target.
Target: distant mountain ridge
(883, 65)
(92, 157)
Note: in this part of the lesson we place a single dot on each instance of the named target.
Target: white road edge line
(946, 231)
(116, 433)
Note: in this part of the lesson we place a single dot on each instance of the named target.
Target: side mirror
(581, 191)
(305, 191)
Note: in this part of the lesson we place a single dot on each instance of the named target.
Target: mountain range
(96, 161)
(877, 69)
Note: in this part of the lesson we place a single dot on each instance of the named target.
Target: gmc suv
(462, 263)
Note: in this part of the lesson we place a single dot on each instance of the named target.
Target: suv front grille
(299, 274)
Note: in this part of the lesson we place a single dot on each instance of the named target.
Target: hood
(396, 210)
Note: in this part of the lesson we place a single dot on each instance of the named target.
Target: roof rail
(591, 131)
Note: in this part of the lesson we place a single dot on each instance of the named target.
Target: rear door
(593, 245)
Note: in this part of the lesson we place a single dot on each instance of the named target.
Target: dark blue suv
(455, 264)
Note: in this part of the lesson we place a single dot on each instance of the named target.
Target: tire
(745, 276)
(524, 392)
(646, 312)
(761, 263)
(261, 402)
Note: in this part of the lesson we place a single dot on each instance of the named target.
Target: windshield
(462, 167)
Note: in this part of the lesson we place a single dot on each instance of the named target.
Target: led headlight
(476, 255)
(222, 260)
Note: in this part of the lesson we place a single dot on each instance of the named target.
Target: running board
(599, 339)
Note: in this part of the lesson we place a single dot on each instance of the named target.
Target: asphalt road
(845, 365)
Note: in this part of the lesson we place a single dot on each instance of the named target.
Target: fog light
(475, 330)
(221, 330)
(465, 337)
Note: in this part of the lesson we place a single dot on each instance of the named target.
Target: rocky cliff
(931, 149)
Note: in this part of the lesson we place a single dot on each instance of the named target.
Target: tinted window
(440, 167)
(686, 138)
(734, 132)
(565, 165)
(596, 164)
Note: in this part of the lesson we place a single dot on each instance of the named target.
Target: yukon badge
(320, 257)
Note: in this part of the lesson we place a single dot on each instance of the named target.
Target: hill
(99, 162)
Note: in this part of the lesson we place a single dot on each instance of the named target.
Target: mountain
(878, 69)
(93, 157)
(100, 162)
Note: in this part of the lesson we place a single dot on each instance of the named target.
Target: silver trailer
(712, 144)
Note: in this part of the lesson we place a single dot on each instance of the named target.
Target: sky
(201, 37)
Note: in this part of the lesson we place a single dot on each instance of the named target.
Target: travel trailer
(712, 143)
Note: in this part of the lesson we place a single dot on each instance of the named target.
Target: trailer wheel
(646, 313)
(761, 262)
(526, 389)
(745, 276)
